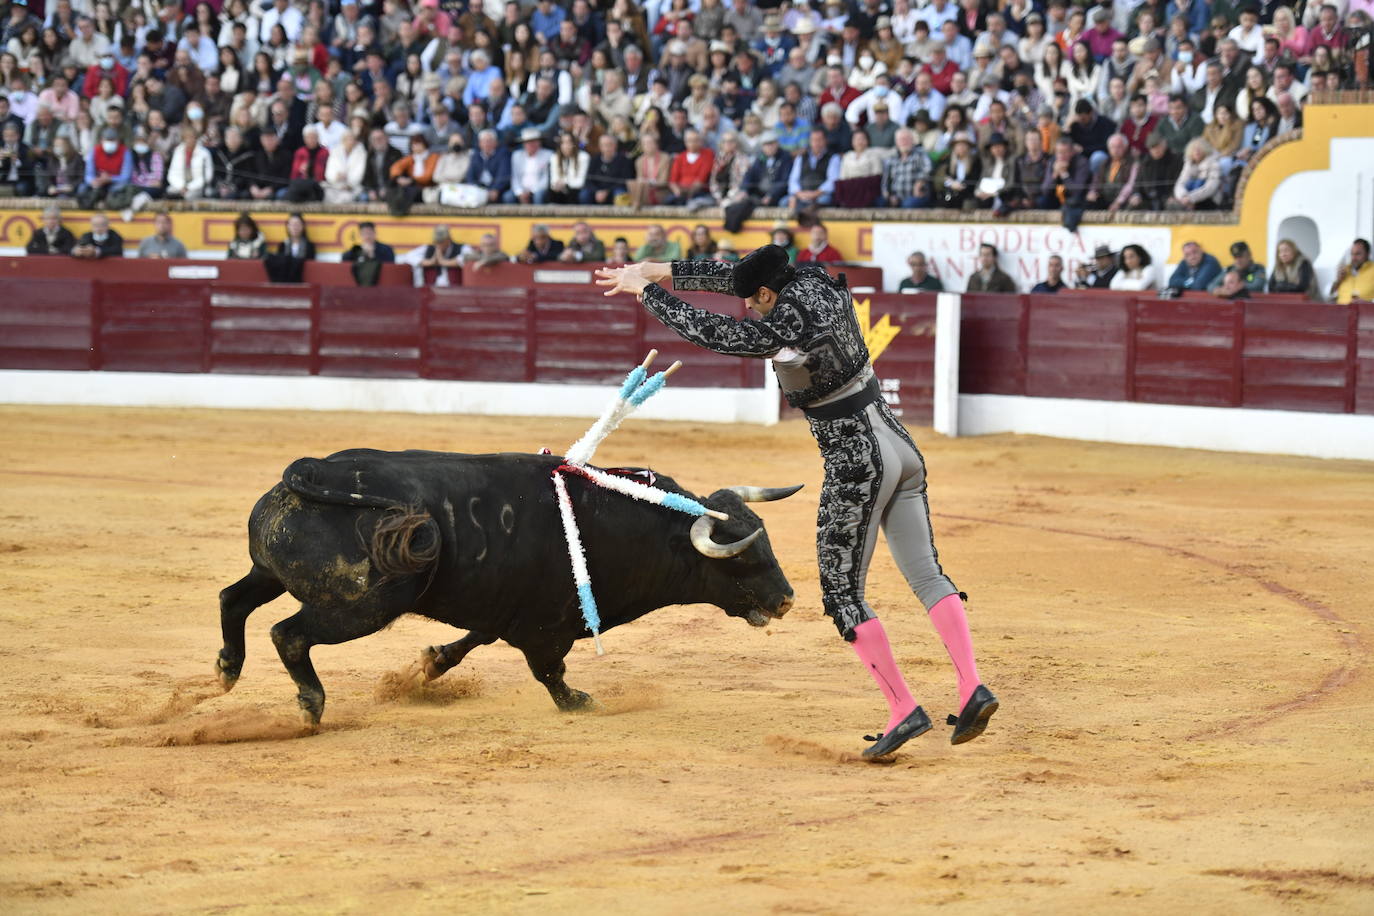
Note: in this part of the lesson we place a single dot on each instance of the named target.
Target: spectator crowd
(968, 104)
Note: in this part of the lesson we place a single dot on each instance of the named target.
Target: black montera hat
(759, 268)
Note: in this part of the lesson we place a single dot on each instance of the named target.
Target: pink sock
(952, 625)
(870, 644)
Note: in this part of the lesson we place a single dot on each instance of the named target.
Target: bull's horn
(701, 540)
(764, 494)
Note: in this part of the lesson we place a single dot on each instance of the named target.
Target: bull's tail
(404, 542)
(304, 478)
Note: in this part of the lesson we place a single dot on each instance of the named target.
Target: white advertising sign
(1024, 249)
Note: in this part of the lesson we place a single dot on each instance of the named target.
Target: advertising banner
(1024, 249)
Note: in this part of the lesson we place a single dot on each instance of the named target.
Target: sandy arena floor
(1180, 641)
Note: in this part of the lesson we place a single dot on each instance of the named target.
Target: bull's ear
(764, 494)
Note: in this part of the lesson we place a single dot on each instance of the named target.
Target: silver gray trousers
(874, 477)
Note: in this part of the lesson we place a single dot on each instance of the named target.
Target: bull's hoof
(577, 701)
(432, 663)
(312, 708)
(227, 671)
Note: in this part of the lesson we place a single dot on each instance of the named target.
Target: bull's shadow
(364, 536)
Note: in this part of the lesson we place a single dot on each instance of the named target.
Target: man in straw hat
(873, 471)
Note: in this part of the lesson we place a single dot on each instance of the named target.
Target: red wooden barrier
(992, 344)
(1296, 357)
(154, 270)
(261, 330)
(1363, 345)
(1186, 352)
(366, 335)
(1074, 347)
(46, 324)
(479, 334)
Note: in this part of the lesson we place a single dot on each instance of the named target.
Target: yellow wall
(210, 231)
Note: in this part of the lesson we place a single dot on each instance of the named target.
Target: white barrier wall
(157, 389)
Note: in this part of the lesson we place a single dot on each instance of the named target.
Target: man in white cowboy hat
(529, 170)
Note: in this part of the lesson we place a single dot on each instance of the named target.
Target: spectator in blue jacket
(1196, 271)
(490, 166)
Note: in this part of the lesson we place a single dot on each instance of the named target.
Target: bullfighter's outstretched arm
(703, 276)
(782, 327)
(721, 333)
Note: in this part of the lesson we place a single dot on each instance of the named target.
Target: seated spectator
(287, 263)
(819, 249)
(814, 173)
(703, 247)
(958, 175)
(411, 175)
(1244, 264)
(1089, 132)
(42, 131)
(490, 167)
(1232, 286)
(996, 171)
(308, 163)
(109, 167)
(487, 253)
(1355, 279)
(1029, 174)
(728, 171)
(1199, 181)
(989, 278)
(16, 165)
(1196, 271)
(620, 251)
(1054, 278)
(100, 242)
(1137, 274)
(233, 167)
(725, 251)
(1181, 127)
(271, 168)
(1098, 274)
(767, 179)
(61, 174)
(657, 247)
(161, 244)
(1293, 272)
(1066, 179)
(52, 237)
(906, 174)
(1262, 127)
(450, 172)
(567, 171)
(783, 238)
(344, 171)
(529, 170)
(861, 174)
(191, 169)
(1158, 172)
(689, 176)
(1113, 182)
(542, 247)
(650, 184)
(443, 253)
(296, 244)
(608, 174)
(248, 243)
(921, 279)
(369, 254)
(1139, 124)
(584, 247)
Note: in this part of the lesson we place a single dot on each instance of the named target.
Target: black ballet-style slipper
(973, 718)
(916, 723)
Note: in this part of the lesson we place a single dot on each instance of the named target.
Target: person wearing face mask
(106, 67)
(867, 69)
(860, 111)
(109, 168)
(100, 242)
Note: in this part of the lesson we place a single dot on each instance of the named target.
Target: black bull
(476, 541)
